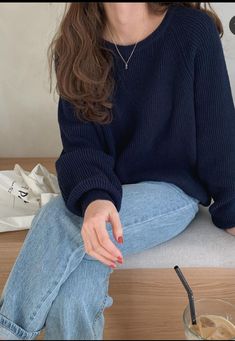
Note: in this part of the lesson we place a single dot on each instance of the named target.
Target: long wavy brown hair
(83, 65)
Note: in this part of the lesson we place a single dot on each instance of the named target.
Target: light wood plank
(27, 163)
(148, 303)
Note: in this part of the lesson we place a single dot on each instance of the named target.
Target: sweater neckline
(156, 33)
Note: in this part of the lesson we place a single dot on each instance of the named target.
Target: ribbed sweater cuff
(224, 217)
(92, 195)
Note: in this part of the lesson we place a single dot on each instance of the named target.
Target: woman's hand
(231, 231)
(94, 233)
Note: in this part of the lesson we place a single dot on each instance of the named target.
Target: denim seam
(100, 311)
(129, 233)
(161, 215)
(99, 314)
(157, 216)
(20, 333)
(50, 292)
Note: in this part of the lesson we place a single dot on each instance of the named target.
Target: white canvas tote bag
(22, 193)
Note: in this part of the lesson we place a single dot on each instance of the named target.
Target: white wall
(27, 110)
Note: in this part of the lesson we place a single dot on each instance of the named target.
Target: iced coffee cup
(215, 320)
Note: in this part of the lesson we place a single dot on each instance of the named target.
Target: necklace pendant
(126, 66)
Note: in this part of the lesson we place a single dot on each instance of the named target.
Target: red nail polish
(120, 240)
(112, 266)
(120, 259)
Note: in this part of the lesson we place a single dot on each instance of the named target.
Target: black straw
(189, 292)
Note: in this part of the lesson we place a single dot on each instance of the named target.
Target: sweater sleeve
(85, 172)
(215, 126)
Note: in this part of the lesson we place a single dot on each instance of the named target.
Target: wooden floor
(27, 163)
(148, 303)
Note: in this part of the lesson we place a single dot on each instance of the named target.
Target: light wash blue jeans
(55, 285)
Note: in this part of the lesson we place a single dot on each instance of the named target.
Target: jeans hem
(11, 331)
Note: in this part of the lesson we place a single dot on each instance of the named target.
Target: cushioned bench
(146, 292)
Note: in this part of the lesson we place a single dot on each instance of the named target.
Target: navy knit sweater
(173, 121)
